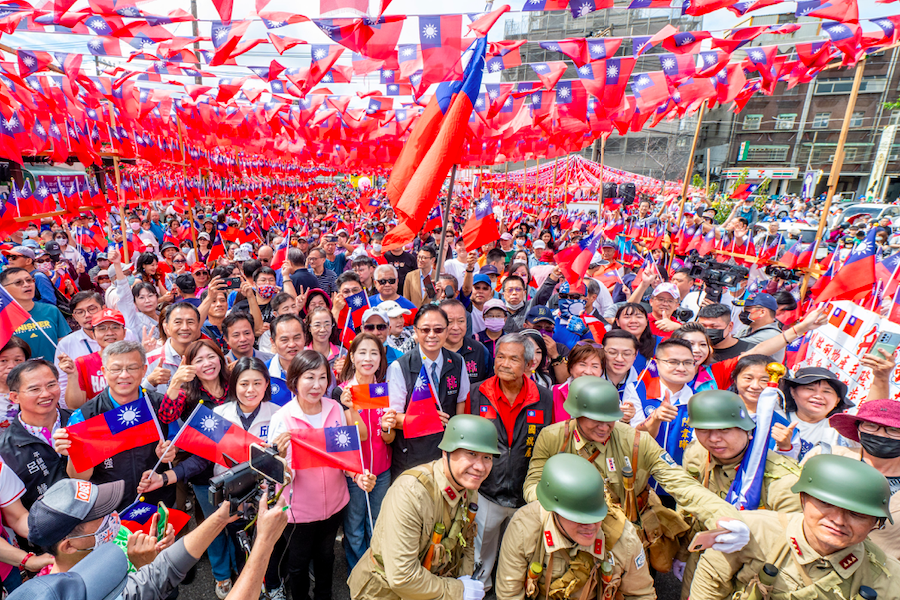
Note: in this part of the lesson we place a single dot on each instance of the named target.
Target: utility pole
(195, 30)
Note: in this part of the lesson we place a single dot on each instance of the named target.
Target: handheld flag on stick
(746, 489)
(336, 447)
(212, 436)
(124, 428)
(12, 315)
(421, 415)
(374, 395)
(139, 516)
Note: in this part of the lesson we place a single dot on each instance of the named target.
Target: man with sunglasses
(447, 376)
(26, 258)
(387, 282)
(47, 325)
(379, 324)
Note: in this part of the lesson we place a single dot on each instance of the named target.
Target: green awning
(35, 171)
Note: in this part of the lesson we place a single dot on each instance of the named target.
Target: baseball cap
(101, 575)
(539, 313)
(539, 245)
(52, 248)
(20, 251)
(666, 288)
(489, 270)
(494, 303)
(608, 244)
(108, 315)
(375, 312)
(198, 266)
(764, 300)
(391, 309)
(204, 235)
(68, 503)
(105, 256)
(241, 255)
(506, 236)
(547, 256)
(481, 278)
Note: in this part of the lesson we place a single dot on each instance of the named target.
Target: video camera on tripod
(240, 485)
(715, 275)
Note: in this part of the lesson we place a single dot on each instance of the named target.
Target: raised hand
(782, 435)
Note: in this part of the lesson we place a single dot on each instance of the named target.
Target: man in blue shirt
(47, 325)
(24, 258)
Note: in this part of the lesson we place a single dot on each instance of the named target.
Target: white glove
(734, 541)
(473, 589)
(678, 569)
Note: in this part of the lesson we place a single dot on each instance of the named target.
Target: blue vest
(673, 436)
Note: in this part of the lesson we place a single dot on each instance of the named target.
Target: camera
(715, 274)
(783, 273)
(240, 484)
(682, 315)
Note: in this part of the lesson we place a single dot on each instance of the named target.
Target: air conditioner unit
(717, 170)
(893, 157)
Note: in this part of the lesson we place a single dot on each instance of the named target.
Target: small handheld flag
(212, 436)
(336, 447)
(124, 428)
(374, 395)
(421, 415)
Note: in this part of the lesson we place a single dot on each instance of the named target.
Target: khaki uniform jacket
(802, 573)
(532, 526)
(652, 461)
(402, 534)
(781, 473)
(888, 538)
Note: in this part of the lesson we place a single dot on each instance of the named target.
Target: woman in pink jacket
(317, 496)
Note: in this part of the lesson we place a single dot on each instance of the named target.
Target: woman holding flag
(321, 491)
(362, 388)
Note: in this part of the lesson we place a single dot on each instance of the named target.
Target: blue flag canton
(281, 394)
(484, 207)
(5, 299)
(127, 416)
(139, 512)
(378, 390)
(210, 424)
(357, 301)
(341, 439)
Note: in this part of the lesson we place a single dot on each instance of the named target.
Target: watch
(165, 478)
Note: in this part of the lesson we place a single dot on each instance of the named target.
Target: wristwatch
(165, 478)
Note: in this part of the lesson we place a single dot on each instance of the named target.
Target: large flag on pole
(746, 489)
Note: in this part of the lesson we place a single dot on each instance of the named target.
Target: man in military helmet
(616, 449)
(724, 430)
(572, 542)
(423, 543)
(821, 553)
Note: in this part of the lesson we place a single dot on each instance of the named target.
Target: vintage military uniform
(803, 575)
(532, 536)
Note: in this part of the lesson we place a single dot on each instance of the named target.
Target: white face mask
(135, 226)
(104, 285)
(31, 233)
(376, 248)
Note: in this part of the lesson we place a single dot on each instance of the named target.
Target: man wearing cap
(47, 325)
(377, 323)
(76, 521)
(759, 318)
(477, 358)
(664, 299)
(84, 373)
(578, 541)
(422, 546)
(515, 294)
(820, 553)
(102, 265)
(23, 258)
(480, 291)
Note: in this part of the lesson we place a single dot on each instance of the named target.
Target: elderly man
(47, 324)
(519, 409)
(26, 446)
(478, 361)
(264, 255)
(124, 365)
(822, 552)
(315, 262)
(240, 335)
(386, 282)
(182, 327)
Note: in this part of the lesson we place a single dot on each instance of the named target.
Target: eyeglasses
(430, 330)
(570, 296)
(43, 259)
(179, 261)
(202, 273)
(872, 428)
(664, 300)
(548, 329)
(103, 327)
(353, 292)
(622, 353)
(390, 281)
(91, 310)
(131, 369)
(318, 326)
(374, 327)
(514, 290)
(21, 282)
(676, 363)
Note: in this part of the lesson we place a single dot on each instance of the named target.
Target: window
(849, 153)
(635, 145)
(843, 85)
(767, 153)
(785, 121)
(895, 117)
(752, 122)
(820, 121)
(682, 142)
(857, 119)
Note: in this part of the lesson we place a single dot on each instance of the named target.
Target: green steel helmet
(470, 433)
(594, 398)
(572, 488)
(847, 483)
(718, 409)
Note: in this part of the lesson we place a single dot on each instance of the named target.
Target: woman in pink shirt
(586, 358)
(366, 367)
(317, 496)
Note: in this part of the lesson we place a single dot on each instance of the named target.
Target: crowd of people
(590, 427)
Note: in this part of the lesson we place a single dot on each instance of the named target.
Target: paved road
(203, 587)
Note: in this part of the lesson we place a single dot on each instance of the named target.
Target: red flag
(484, 23)
(329, 447)
(12, 315)
(212, 436)
(421, 414)
(374, 395)
(124, 428)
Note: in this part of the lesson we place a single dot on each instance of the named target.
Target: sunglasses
(42, 260)
(374, 327)
(570, 296)
(390, 281)
(430, 330)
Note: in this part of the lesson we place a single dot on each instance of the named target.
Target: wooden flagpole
(119, 192)
(445, 220)
(602, 159)
(181, 142)
(837, 164)
(688, 171)
(707, 174)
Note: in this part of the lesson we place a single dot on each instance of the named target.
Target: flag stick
(155, 420)
(365, 472)
(30, 318)
(120, 193)
(690, 167)
(445, 219)
(175, 439)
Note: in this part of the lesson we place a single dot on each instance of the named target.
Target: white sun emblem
(357, 302)
(408, 51)
(480, 103)
(209, 423)
(642, 81)
(496, 66)
(415, 78)
(11, 123)
(687, 40)
(421, 383)
(95, 44)
(96, 24)
(129, 11)
(668, 63)
(564, 92)
(43, 191)
(541, 68)
(429, 31)
(342, 439)
(388, 74)
(319, 53)
(493, 94)
(837, 29)
(379, 390)
(585, 9)
(40, 129)
(28, 60)
(129, 416)
(483, 206)
(884, 24)
(585, 69)
(393, 88)
(710, 59)
(758, 55)
(141, 510)
(612, 71)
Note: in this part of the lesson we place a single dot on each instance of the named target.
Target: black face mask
(745, 317)
(716, 336)
(878, 446)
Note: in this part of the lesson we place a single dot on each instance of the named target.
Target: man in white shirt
(457, 266)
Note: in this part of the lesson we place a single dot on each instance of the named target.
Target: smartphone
(270, 466)
(886, 341)
(705, 539)
(233, 283)
(162, 522)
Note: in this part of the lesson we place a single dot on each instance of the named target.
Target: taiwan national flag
(12, 315)
(281, 394)
(139, 517)
(124, 428)
(534, 416)
(421, 414)
(358, 304)
(280, 254)
(481, 228)
(211, 436)
(334, 447)
(856, 277)
(574, 260)
(374, 395)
